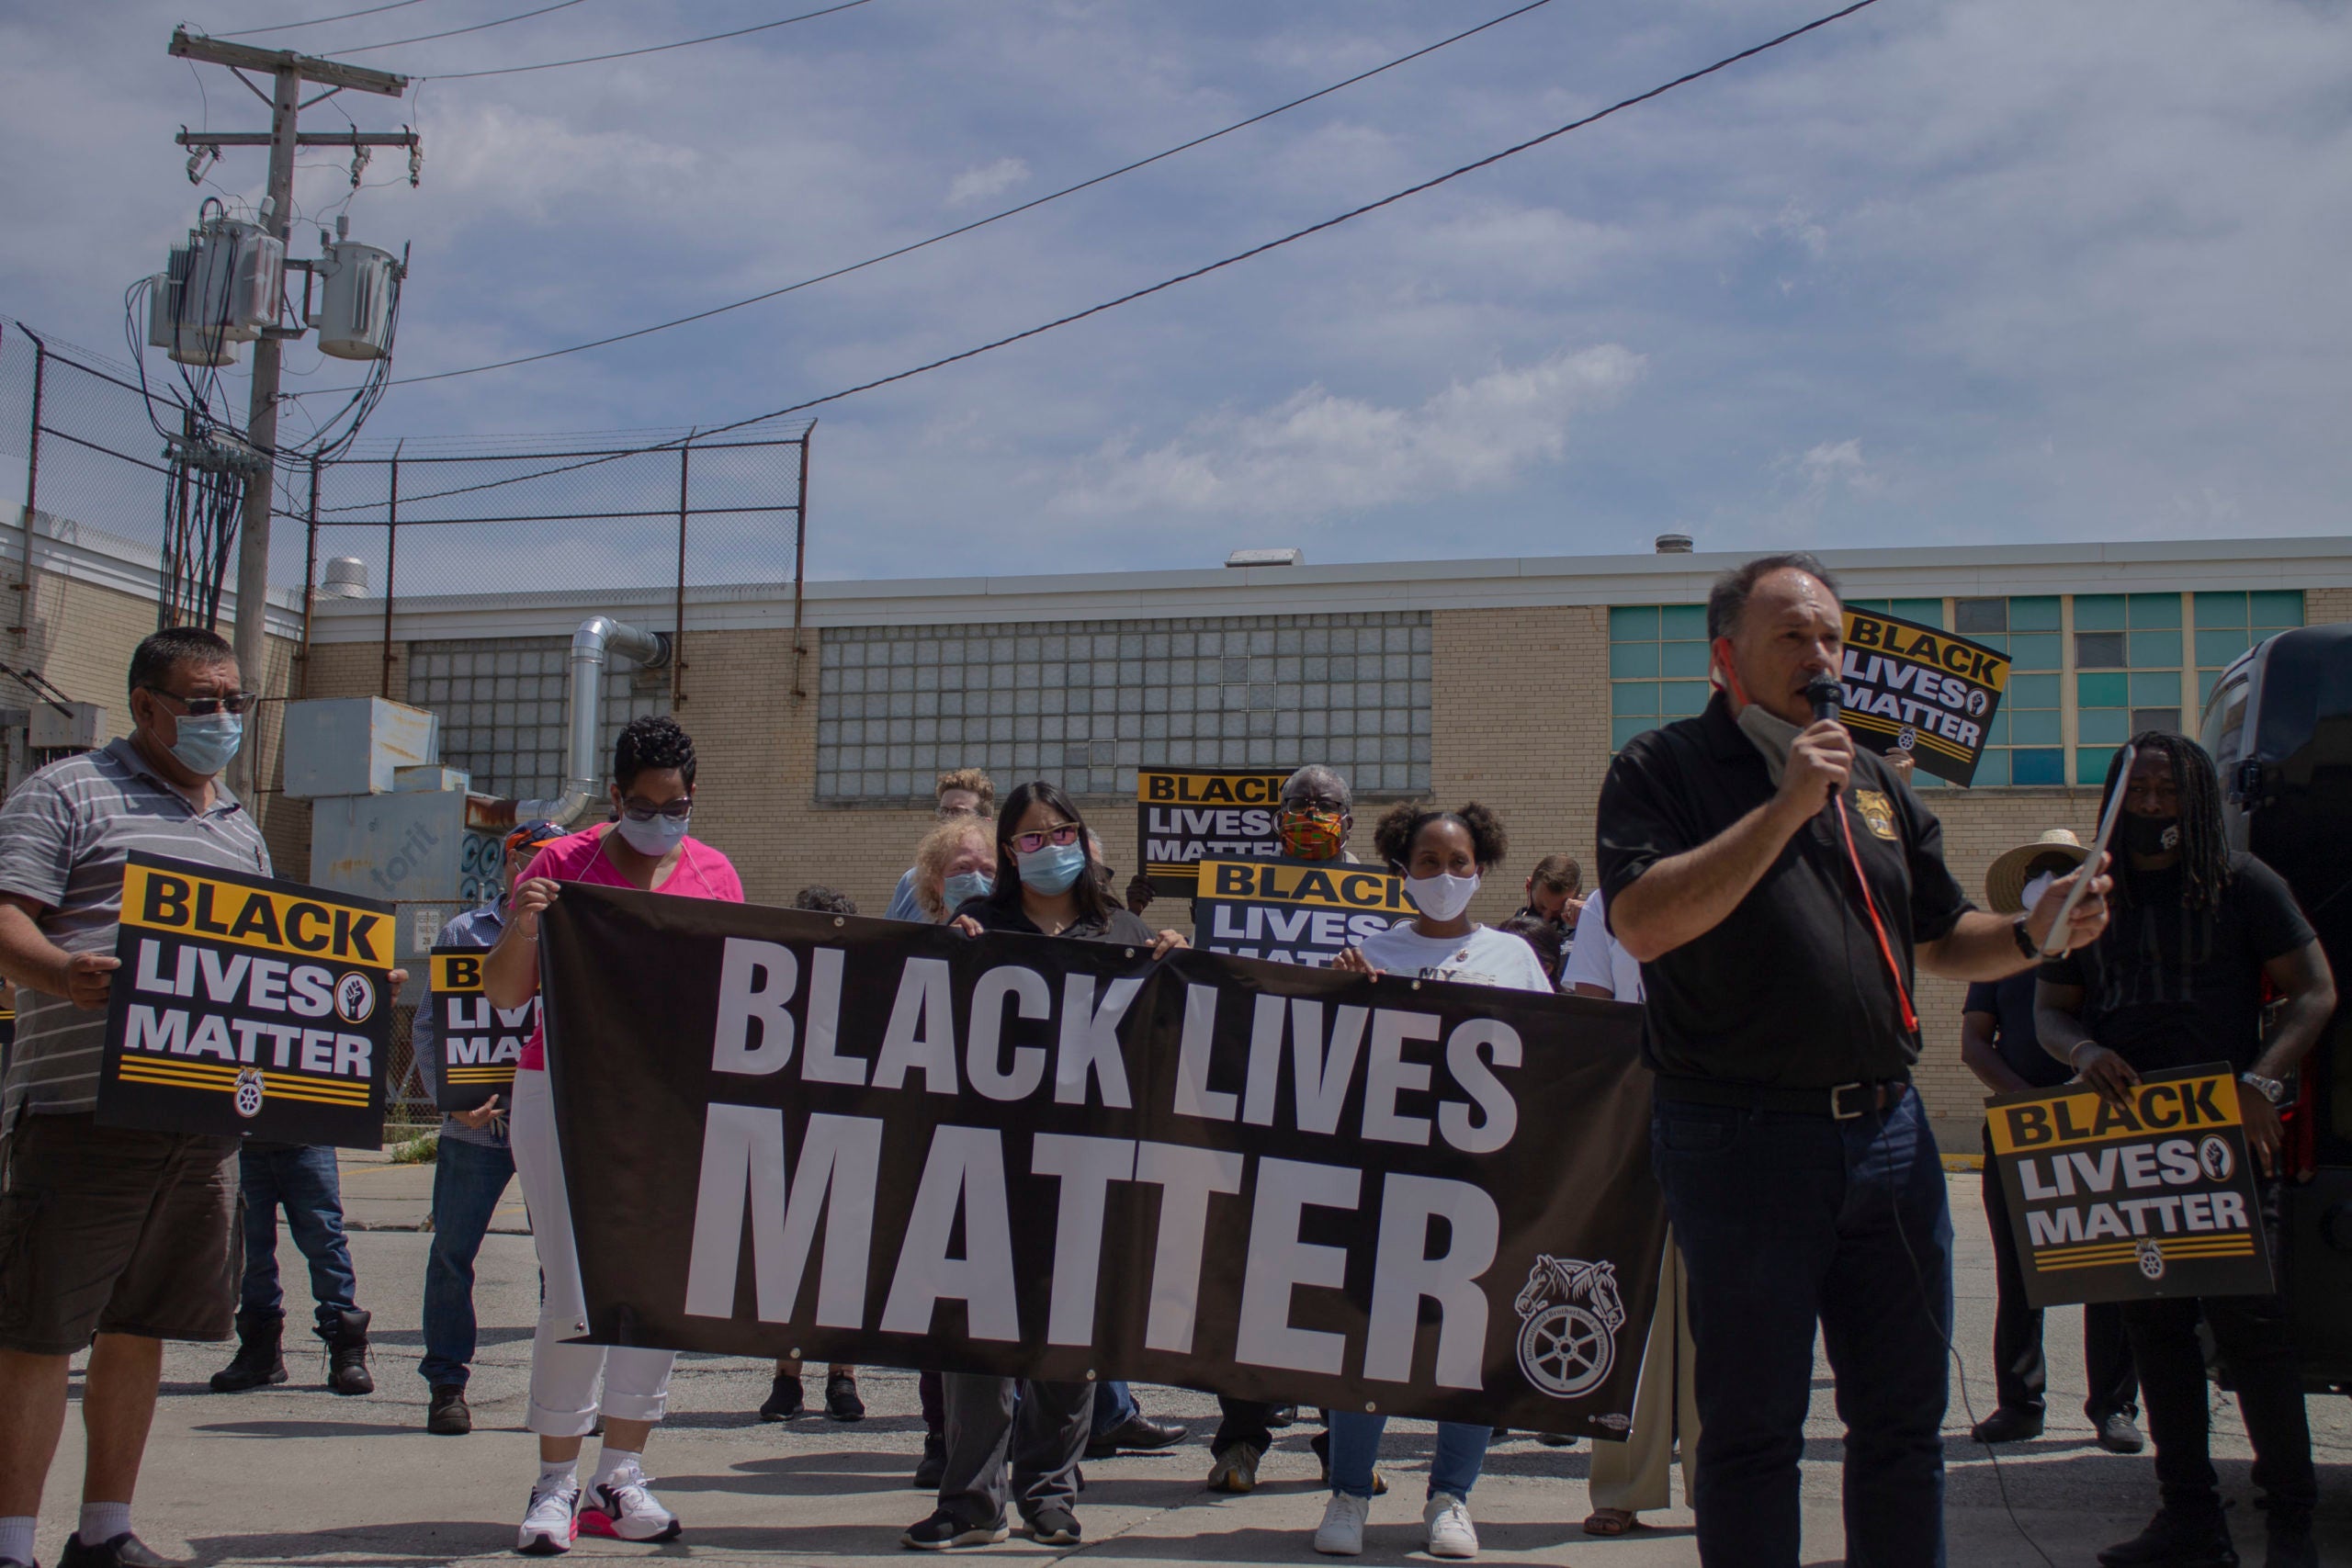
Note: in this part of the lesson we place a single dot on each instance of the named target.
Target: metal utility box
(414, 848)
(354, 746)
(80, 729)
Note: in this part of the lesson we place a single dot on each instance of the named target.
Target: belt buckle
(1837, 1103)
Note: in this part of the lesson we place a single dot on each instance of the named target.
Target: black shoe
(125, 1551)
(2290, 1541)
(1557, 1440)
(932, 1469)
(784, 1399)
(260, 1358)
(1053, 1527)
(448, 1415)
(2118, 1435)
(347, 1352)
(2007, 1425)
(840, 1398)
(1283, 1416)
(944, 1531)
(1137, 1434)
(2172, 1540)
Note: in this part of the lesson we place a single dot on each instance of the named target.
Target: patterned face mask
(1312, 834)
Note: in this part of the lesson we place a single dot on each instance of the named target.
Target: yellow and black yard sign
(245, 1006)
(2153, 1197)
(1913, 688)
(1294, 911)
(480, 1045)
(1186, 815)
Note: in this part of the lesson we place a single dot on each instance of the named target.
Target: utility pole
(289, 71)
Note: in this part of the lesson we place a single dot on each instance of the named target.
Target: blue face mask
(207, 742)
(1054, 868)
(656, 838)
(964, 887)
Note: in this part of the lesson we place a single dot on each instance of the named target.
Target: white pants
(563, 1376)
(1633, 1474)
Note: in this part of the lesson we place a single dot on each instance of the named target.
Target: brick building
(1508, 681)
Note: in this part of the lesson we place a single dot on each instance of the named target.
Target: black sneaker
(784, 1399)
(2118, 1435)
(1053, 1527)
(2007, 1425)
(448, 1415)
(945, 1530)
(841, 1403)
(2174, 1540)
(125, 1551)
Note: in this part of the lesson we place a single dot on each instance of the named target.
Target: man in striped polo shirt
(110, 1239)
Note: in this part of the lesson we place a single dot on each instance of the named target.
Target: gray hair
(1727, 601)
(1321, 779)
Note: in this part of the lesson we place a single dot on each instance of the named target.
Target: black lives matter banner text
(480, 1045)
(2113, 1202)
(872, 1142)
(1186, 815)
(247, 1006)
(1293, 912)
(1913, 688)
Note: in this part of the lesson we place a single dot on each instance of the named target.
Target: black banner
(1187, 816)
(247, 1007)
(863, 1141)
(479, 1043)
(2115, 1203)
(1917, 689)
(1294, 911)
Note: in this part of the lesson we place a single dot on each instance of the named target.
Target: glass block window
(2128, 654)
(1084, 703)
(2229, 624)
(501, 701)
(2026, 742)
(1658, 667)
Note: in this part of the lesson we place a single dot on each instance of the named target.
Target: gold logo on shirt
(1877, 812)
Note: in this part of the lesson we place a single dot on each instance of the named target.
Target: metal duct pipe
(599, 637)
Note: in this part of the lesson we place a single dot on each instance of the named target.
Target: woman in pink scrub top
(646, 848)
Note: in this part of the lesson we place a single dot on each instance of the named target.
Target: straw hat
(2005, 878)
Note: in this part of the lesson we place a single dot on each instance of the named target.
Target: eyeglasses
(676, 810)
(1300, 806)
(1030, 843)
(958, 813)
(202, 708)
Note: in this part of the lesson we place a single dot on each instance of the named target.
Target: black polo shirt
(1789, 989)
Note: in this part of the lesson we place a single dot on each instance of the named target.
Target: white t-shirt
(1485, 957)
(1598, 960)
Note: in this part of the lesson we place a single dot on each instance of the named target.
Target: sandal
(1612, 1522)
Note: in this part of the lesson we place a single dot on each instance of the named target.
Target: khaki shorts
(105, 1230)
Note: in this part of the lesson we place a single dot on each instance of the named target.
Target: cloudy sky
(1989, 270)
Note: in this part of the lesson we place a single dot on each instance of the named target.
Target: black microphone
(1825, 696)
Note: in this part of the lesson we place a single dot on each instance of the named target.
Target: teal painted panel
(1633, 660)
(1624, 730)
(1680, 699)
(1685, 660)
(1682, 622)
(2103, 726)
(2033, 727)
(2034, 650)
(2102, 689)
(2215, 649)
(1632, 623)
(2276, 610)
(1634, 699)
(2032, 692)
(2037, 767)
(2155, 610)
(2155, 688)
(2035, 612)
(1927, 612)
(2098, 612)
(2156, 650)
(2221, 610)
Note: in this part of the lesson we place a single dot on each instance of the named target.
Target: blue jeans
(468, 1182)
(1787, 1221)
(302, 1181)
(1355, 1444)
(1114, 1406)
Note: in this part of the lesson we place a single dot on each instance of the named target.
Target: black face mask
(2151, 835)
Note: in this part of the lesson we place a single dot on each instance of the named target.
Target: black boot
(347, 1352)
(448, 1415)
(260, 1358)
(2175, 1539)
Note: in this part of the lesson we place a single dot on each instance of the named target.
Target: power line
(982, 222)
(650, 49)
(453, 32)
(1199, 272)
(316, 21)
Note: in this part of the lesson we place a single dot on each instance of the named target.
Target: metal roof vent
(1673, 544)
(1286, 556)
(345, 576)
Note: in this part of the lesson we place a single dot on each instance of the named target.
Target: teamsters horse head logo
(1569, 1313)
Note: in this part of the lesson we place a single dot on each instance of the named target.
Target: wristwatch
(2270, 1089)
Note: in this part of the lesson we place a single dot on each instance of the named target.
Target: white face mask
(1773, 735)
(1440, 898)
(2037, 887)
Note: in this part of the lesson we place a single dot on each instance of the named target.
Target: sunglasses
(676, 810)
(1030, 843)
(204, 707)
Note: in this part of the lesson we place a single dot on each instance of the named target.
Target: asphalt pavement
(296, 1475)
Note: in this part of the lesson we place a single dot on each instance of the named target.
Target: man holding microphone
(1779, 887)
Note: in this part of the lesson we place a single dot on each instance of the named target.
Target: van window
(2224, 737)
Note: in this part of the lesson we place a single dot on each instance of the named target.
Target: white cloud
(1315, 453)
(992, 180)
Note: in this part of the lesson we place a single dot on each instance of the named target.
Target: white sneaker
(1342, 1532)
(624, 1508)
(550, 1522)
(1446, 1517)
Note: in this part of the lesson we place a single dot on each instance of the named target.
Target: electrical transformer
(354, 315)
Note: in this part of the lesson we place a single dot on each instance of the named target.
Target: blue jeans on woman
(301, 1179)
(468, 1182)
(1355, 1444)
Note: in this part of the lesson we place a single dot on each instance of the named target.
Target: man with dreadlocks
(2177, 981)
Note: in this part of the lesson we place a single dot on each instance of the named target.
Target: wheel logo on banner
(2151, 1258)
(249, 1093)
(1569, 1313)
